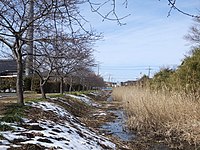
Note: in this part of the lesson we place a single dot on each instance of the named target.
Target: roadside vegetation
(167, 107)
(171, 117)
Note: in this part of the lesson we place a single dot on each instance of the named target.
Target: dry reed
(168, 114)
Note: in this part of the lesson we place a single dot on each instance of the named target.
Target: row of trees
(74, 76)
(77, 81)
(61, 57)
(50, 34)
(42, 30)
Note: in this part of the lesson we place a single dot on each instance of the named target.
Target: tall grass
(172, 115)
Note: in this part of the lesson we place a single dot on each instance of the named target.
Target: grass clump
(172, 115)
(77, 93)
(14, 113)
(76, 107)
(4, 127)
(1, 137)
(55, 95)
(36, 100)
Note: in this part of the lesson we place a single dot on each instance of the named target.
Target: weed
(1, 137)
(14, 113)
(55, 95)
(170, 114)
(35, 100)
(77, 93)
(74, 106)
(4, 127)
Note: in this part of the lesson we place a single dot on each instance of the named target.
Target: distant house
(111, 84)
(8, 68)
(128, 83)
(140, 82)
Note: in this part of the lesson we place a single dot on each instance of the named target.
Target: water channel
(118, 128)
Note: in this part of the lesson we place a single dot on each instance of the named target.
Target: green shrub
(36, 84)
(162, 80)
(187, 76)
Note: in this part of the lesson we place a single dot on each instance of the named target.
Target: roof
(8, 65)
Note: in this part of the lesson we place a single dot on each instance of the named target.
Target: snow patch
(84, 99)
(68, 133)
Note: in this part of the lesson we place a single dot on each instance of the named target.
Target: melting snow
(67, 134)
(84, 99)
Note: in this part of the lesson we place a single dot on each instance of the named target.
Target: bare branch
(194, 33)
(112, 11)
(172, 4)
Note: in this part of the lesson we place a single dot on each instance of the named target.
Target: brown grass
(172, 115)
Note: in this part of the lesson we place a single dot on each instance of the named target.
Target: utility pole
(109, 78)
(149, 71)
(98, 68)
(29, 58)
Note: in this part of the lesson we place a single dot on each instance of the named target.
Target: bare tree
(89, 79)
(61, 56)
(18, 19)
(14, 23)
(30, 31)
(194, 33)
(76, 55)
(44, 62)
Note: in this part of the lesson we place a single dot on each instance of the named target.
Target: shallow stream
(117, 127)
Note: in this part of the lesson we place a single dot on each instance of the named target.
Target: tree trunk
(71, 82)
(19, 84)
(42, 83)
(42, 91)
(29, 59)
(61, 85)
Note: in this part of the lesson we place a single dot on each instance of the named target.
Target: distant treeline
(72, 83)
(186, 78)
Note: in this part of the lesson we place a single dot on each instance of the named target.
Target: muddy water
(117, 127)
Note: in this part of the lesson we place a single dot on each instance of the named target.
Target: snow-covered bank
(66, 133)
(84, 98)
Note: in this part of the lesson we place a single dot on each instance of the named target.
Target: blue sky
(149, 39)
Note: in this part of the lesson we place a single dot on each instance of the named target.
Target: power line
(139, 68)
(142, 66)
(126, 69)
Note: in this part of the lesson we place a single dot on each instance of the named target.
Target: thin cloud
(149, 38)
